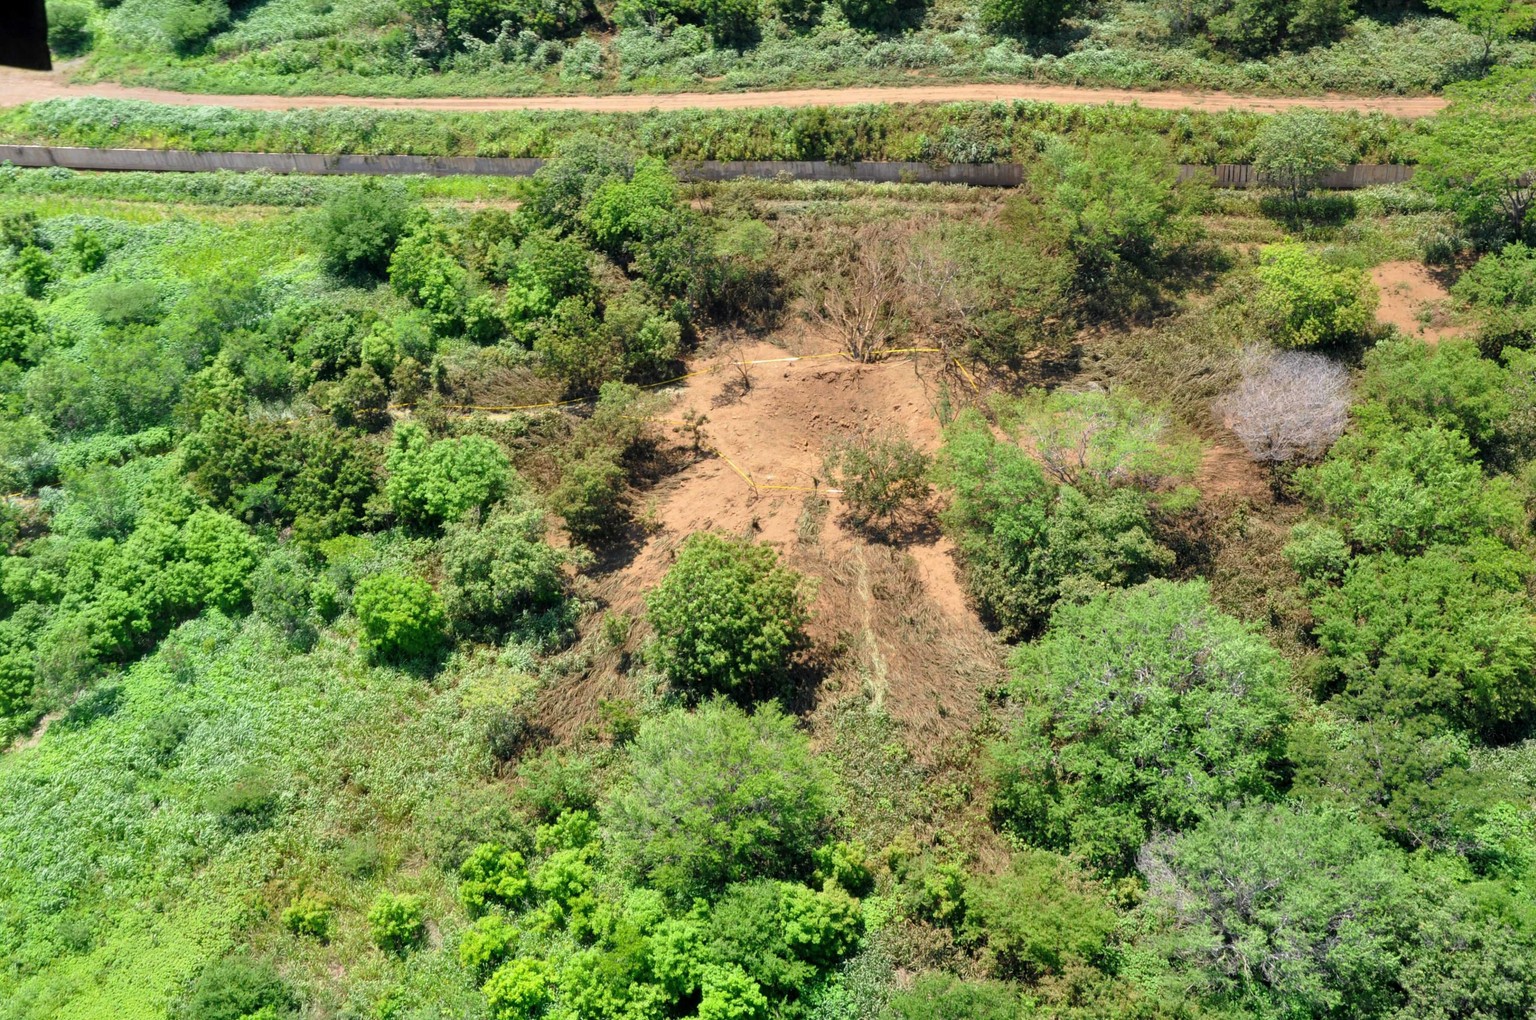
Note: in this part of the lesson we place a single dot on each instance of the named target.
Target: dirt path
(18, 87)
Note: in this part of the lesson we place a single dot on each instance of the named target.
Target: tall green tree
(1141, 709)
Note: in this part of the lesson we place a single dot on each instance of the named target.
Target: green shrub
(356, 231)
(717, 796)
(69, 28)
(519, 990)
(402, 616)
(727, 617)
(1403, 491)
(500, 572)
(1501, 289)
(434, 483)
(1312, 302)
(1039, 918)
(486, 944)
(1142, 709)
(845, 865)
(1026, 17)
(282, 594)
(309, 917)
(236, 988)
(492, 874)
(940, 996)
(1446, 635)
(882, 476)
(1025, 543)
(396, 923)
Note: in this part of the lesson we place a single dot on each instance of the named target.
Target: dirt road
(18, 87)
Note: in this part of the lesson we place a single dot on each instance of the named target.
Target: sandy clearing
(1410, 291)
(17, 87)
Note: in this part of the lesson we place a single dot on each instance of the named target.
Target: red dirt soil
(1408, 289)
(897, 613)
(17, 87)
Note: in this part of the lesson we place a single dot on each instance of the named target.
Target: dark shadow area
(91, 707)
(1329, 209)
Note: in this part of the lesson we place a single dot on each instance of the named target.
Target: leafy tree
(1295, 150)
(492, 874)
(396, 923)
(356, 232)
(1257, 28)
(1412, 384)
(1407, 781)
(486, 944)
(730, 994)
(540, 272)
(402, 616)
(1479, 157)
(309, 917)
(624, 213)
(726, 617)
(236, 988)
(1118, 201)
(1492, 21)
(1501, 288)
(501, 571)
(1027, 17)
(1447, 633)
(69, 28)
(782, 934)
(881, 475)
(20, 329)
(520, 989)
(1039, 918)
(223, 554)
(1313, 303)
(1298, 912)
(716, 796)
(1026, 543)
(433, 483)
(1141, 709)
(1096, 441)
(34, 269)
(1405, 490)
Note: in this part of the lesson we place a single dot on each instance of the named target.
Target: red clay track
(18, 87)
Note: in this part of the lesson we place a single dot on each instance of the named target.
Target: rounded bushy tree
(1143, 709)
(727, 617)
(402, 616)
(718, 796)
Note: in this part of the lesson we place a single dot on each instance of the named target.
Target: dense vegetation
(945, 133)
(322, 692)
(461, 47)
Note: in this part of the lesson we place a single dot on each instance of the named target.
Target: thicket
(333, 723)
(945, 133)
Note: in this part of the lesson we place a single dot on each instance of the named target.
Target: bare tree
(862, 299)
(1290, 405)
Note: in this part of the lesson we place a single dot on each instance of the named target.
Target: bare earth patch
(891, 619)
(1410, 294)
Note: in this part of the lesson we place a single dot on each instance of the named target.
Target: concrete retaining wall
(985, 175)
